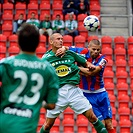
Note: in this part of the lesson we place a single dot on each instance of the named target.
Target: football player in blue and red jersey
(92, 82)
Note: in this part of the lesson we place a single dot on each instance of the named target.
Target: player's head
(28, 38)
(94, 48)
(56, 40)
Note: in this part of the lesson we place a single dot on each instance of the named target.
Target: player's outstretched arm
(89, 72)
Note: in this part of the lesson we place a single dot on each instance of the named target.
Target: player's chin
(95, 55)
(60, 46)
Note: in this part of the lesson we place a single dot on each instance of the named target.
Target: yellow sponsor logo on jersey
(62, 70)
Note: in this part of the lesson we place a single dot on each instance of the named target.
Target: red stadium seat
(45, 8)
(120, 64)
(108, 75)
(40, 124)
(42, 113)
(82, 125)
(123, 100)
(13, 50)
(13, 39)
(7, 29)
(7, 8)
(110, 87)
(79, 41)
(108, 52)
(92, 129)
(68, 40)
(106, 41)
(57, 8)
(119, 41)
(123, 113)
(92, 37)
(68, 113)
(80, 18)
(43, 40)
(130, 55)
(67, 17)
(125, 126)
(113, 113)
(44, 1)
(110, 64)
(20, 8)
(95, 9)
(3, 40)
(56, 126)
(33, 7)
(82, 31)
(131, 71)
(94, 2)
(68, 125)
(57, 1)
(130, 42)
(33, 1)
(120, 53)
(122, 88)
(121, 76)
(115, 124)
(40, 51)
(7, 18)
(2, 51)
(112, 99)
(131, 83)
(49, 47)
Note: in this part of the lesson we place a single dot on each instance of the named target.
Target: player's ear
(88, 46)
(51, 41)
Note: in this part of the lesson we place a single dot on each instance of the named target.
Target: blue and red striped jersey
(92, 83)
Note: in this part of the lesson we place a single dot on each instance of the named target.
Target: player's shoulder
(70, 52)
(47, 54)
(49, 67)
(7, 59)
(101, 56)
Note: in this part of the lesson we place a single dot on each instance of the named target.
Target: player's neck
(54, 50)
(30, 53)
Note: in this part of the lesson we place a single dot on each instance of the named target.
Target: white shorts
(72, 96)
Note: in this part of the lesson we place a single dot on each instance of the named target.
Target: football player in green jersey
(27, 81)
(69, 93)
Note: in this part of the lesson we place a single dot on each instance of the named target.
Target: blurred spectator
(83, 6)
(58, 25)
(46, 26)
(71, 26)
(70, 6)
(24, 1)
(1, 1)
(14, 1)
(17, 23)
(33, 20)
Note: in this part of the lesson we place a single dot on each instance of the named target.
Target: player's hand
(71, 2)
(61, 52)
(90, 66)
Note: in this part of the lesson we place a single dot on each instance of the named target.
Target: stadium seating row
(69, 121)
